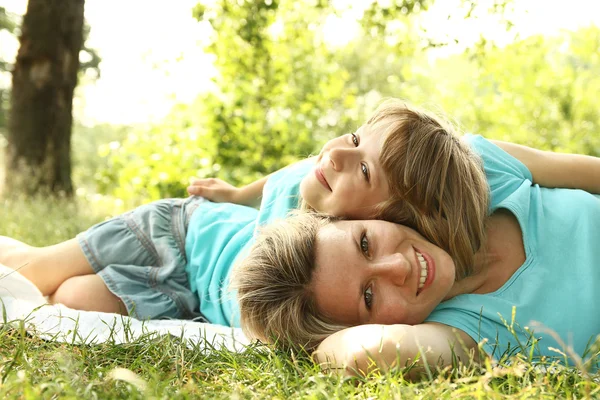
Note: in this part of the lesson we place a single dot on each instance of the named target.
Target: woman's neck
(501, 257)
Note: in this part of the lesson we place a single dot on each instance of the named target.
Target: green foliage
(377, 17)
(540, 92)
(86, 143)
(282, 91)
(157, 161)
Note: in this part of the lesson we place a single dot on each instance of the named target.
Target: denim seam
(147, 243)
(89, 254)
(191, 208)
(176, 228)
(110, 284)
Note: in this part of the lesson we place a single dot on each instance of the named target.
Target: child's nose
(341, 157)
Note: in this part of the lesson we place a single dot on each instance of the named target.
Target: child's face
(378, 272)
(348, 180)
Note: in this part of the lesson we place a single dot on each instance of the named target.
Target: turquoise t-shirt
(220, 232)
(558, 286)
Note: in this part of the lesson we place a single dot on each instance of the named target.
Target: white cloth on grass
(20, 300)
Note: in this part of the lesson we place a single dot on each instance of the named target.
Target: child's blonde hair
(437, 183)
(273, 284)
(437, 186)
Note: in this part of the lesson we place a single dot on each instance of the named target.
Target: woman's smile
(427, 270)
(389, 273)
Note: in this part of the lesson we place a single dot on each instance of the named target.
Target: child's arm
(574, 171)
(219, 191)
(360, 349)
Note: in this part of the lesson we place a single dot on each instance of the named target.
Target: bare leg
(10, 249)
(47, 267)
(88, 293)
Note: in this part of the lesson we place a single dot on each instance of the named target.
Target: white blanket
(20, 300)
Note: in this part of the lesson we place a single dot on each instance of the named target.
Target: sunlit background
(164, 106)
(240, 88)
(152, 58)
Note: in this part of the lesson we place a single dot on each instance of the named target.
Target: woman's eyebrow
(355, 234)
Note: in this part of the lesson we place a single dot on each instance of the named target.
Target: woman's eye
(355, 140)
(368, 297)
(365, 171)
(364, 244)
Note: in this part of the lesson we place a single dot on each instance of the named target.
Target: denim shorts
(140, 255)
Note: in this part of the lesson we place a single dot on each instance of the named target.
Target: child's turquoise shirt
(220, 232)
(557, 288)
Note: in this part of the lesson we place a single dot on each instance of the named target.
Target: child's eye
(355, 140)
(365, 170)
(368, 295)
(364, 244)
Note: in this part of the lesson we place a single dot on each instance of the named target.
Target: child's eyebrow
(376, 173)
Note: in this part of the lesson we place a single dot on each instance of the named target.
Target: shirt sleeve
(504, 173)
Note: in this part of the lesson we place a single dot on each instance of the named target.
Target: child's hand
(215, 190)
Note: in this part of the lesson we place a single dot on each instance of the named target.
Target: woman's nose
(394, 267)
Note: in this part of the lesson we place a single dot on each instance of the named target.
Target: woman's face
(348, 180)
(377, 272)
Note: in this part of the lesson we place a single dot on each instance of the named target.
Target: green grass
(165, 367)
(41, 222)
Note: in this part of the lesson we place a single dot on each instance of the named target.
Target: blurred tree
(91, 64)
(8, 24)
(44, 78)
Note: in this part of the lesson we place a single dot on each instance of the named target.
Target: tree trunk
(44, 78)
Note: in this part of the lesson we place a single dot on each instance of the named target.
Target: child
(172, 258)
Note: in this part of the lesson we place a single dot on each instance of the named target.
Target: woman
(311, 276)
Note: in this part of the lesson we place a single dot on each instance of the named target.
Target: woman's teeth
(423, 263)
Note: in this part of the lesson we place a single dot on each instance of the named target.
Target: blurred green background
(287, 79)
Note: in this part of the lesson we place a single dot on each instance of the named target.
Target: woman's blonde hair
(273, 284)
(437, 183)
